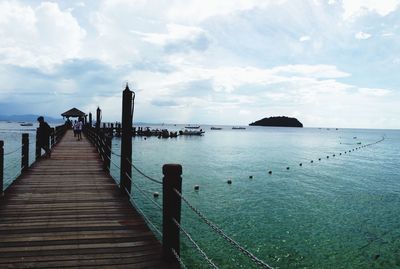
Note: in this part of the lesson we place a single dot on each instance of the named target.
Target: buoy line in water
(335, 154)
(229, 181)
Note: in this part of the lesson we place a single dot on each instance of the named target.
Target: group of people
(44, 132)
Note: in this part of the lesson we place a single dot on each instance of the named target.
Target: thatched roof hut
(73, 112)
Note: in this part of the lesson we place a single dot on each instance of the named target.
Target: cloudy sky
(327, 62)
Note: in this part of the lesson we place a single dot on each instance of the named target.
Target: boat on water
(26, 124)
(216, 128)
(238, 128)
(190, 132)
(192, 127)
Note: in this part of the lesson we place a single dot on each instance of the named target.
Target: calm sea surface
(340, 212)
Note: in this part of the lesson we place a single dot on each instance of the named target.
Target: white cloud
(388, 34)
(362, 35)
(314, 71)
(358, 7)
(175, 33)
(374, 92)
(304, 38)
(38, 37)
(199, 10)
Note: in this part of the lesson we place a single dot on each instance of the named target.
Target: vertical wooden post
(171, 210)
(57, 135)
(126, 140)
(118, 129)
(107, 151)
(98, 119)
(1, 167)
(90, 120)
(25, 152)
(52, 137)
(38, 151)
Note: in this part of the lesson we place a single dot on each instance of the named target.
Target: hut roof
(73, 112)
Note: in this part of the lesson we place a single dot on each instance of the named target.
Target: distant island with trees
(281, 121)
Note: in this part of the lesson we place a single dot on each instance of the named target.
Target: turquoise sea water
(11, 134)
(340, 212)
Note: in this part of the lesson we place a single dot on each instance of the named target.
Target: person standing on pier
(79, 126)
(43, 134)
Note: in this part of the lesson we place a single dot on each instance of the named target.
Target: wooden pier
(66, 212)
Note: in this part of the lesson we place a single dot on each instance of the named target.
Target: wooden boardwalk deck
(66, 212)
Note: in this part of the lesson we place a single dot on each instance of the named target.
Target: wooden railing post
(126, 140)
(97, 134)
(90, 120)
(107, 151)
(1, 168)
(38, 149)
(98, 119)
(25, 152)
(90, 131)
(52, 137)
(171, 210)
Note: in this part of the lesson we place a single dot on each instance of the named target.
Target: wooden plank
(66, 212)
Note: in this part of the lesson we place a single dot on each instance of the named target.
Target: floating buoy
(287, 168)
(156, 194)
(229, 181)
(333, 155)
(319, 159)
(145, 138)
(269, 172)
(311, 161)
(300, 164)
(340, 153)
(196, 187)
(327, 157)
(250, 177)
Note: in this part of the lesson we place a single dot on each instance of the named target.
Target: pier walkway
(67, 212)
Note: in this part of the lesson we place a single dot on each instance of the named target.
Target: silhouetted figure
(43, 134)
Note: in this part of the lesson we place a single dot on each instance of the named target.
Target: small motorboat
(238, 128)
(26, 124)
(216, 128)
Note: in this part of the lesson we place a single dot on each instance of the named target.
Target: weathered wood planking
(66, 212)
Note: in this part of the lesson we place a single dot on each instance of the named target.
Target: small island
(281, 121)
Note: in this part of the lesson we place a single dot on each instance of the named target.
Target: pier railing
(102, 141)
(171, 185)
(18, 158)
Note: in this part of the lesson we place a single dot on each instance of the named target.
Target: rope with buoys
(339, 154)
